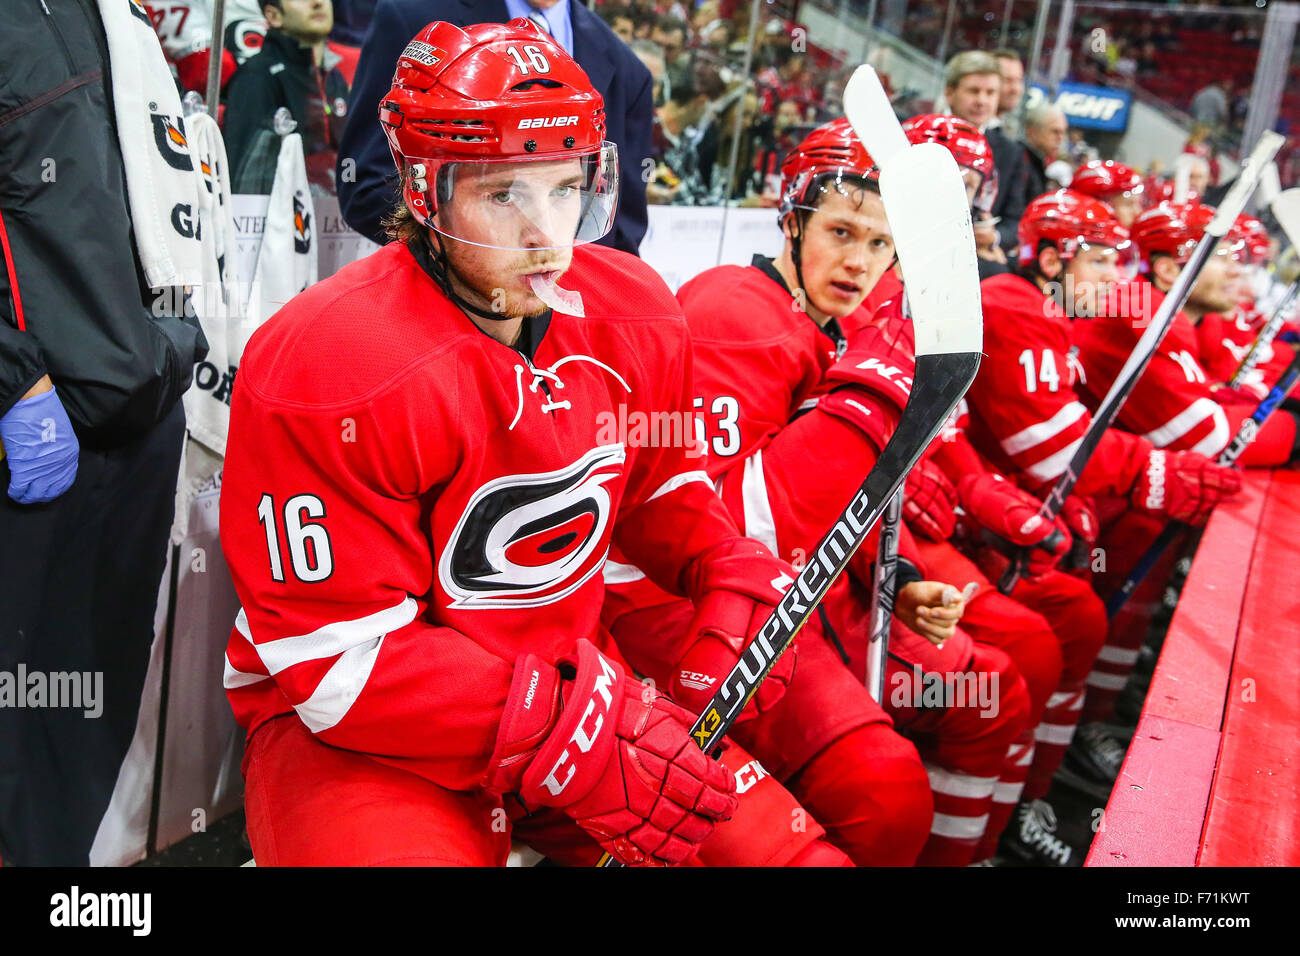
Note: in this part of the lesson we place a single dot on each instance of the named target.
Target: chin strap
(439, 270)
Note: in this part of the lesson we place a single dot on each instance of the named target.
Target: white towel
(286, 263)
(161, 185)
(218, 301)
(218, 305)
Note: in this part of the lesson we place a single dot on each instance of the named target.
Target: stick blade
(1286, 210)
(929, 215)
(867, 108)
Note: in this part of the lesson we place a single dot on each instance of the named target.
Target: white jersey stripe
(1189, 418)
(1035, 435)
(759, 523)
(1053, 466)
(959, 784)
(959, 828)
(676, 481)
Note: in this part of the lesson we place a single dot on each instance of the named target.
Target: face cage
(509, 206)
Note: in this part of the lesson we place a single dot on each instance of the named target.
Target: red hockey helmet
(968, 146)
(1070, 221)
(1255, 237)
(830, 152)
(505, 113)
(1171, 230)
(1105, 178)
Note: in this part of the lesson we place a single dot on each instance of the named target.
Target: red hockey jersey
(409, 505)
(1174, 404)
(1026, 415)
(1225, 341)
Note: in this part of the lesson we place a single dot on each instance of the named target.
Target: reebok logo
(1156, 482)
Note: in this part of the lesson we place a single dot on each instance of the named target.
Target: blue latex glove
(40, 447)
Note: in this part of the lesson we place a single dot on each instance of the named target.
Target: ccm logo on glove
(583, 738)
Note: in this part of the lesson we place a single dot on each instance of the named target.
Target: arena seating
(1212, 777)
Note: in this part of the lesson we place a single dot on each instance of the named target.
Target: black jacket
(72, 298)
(612, 67)
(284, 73)
(1009, 161)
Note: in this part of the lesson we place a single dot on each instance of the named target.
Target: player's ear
(1049, 262)
(1165, 269)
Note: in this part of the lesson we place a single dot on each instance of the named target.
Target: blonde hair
(968, 63)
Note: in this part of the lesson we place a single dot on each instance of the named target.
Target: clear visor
(981, 190)
(527, 204)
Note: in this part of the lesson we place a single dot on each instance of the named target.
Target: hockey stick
(925, 202)
(1286, 210)
(1245, 435)
(1138, 360)
(883, 589)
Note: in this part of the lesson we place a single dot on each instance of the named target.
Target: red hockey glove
(1011, 514)
(736, 589)
(1183, 485)
(1081, 519)
(929, 501)
(611, 754)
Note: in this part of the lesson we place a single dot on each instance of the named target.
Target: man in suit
(367, 181)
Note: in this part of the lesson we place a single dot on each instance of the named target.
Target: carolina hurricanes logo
(138, 11)
(529, 540)
(301, 227)
(244, 38)
(171, 142)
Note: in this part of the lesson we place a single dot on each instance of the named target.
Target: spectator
(92, 368)
(1045, 129)
(652, 57)
(973, 91)
(672, 35)
(687, 134)
(1010, 93)
(787, 130)
(621, 20)
(972, 87)
(296, 70)
(368, 182)
(1210, 105)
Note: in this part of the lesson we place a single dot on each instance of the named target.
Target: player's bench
(1212, 777)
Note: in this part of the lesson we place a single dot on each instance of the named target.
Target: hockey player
(1178, 407)
(974, 157)
(765, 337)
(1053, 625)
(1225, 338)
(1026, 415)
(417, 504)
(1115, 184)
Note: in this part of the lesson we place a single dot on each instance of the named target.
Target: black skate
(1093, 762)
(1031, 838)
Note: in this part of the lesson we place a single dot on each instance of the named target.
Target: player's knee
(871, 792)
(1036, 653)
(1001, 701)
(1082, 632)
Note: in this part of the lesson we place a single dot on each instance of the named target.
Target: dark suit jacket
(368, 192)
(1009, 160)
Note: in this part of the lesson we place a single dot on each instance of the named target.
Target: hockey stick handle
(1266, 335)
(1138, 360)
(939, 378)
(1245, 435)
(883, 592)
